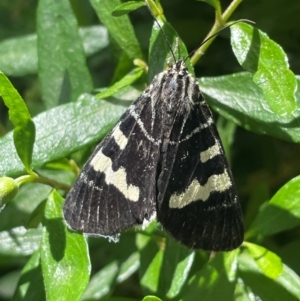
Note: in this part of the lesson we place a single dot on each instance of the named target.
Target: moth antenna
(163, 33)
(177, 50)
(238, 21)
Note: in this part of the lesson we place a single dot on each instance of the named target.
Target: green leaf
(269, 262)
(217, 275)
(127, 7)
(284, 287)
(18, 56)
(103, 282)
(64, 255)
(214, 3)
(164, 272)
(151, 261)
(24, 132)
(128, 267)
(31, 286)
(175, 268)
(226, 130)
(24, 137)
(238, 99)
(93, 38)
(8, 284)
(19, 241)
(63, 73)
(124, 65)
(63, 130)
(243, 292)
(282, 212)
(151, 298)
(60, 164)
(258, 54)
(127, 80)
(120, 28)
(27, 199)
(259, 195)
(160, 52)
(120, 299)
(36, 216)
(289, 253)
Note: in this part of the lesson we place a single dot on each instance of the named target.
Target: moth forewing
(164, 157)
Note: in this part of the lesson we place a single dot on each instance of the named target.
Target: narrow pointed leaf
(214, 3)
(24, 132)
(127, 80)
(119, 28)
(127, 7)
(18, 56)
(176, 265)
(63, 72)
(164, 272)
(150, 278)
(104, 281)
(217, 275)
(31, 286)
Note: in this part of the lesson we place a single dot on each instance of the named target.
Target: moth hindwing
(163, 158)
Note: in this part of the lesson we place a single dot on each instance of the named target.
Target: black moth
(163, 159)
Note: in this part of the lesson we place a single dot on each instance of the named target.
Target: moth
(163, 160)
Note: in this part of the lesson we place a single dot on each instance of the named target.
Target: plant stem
(219, 23)
(230, 9)
(37, 178)
(55, 184)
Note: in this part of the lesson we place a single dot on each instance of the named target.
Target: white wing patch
(197, 192)
(117, 178)
(119, 137)
(210, 152)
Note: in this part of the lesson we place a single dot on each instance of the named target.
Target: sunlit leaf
(282, 212)
(268, 261)
(63, 72)
(64, 255)
(127, 7)
(268, 63)
(24, 132)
